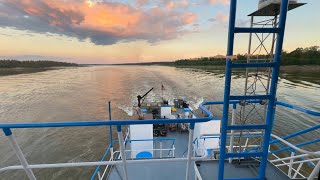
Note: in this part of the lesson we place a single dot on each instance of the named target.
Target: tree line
(299, 56)
(33, 64)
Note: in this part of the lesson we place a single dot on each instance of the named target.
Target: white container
(264, 3)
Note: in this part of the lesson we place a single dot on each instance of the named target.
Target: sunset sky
(120, 31)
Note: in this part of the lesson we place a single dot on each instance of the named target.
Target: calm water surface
(79, 94)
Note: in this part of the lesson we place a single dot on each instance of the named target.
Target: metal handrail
(7, 126)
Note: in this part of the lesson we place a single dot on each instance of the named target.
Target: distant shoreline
(283, 68)
(25, 70)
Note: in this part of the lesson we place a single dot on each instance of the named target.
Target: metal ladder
(270, 97)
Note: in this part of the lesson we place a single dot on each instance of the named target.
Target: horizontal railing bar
(244, 136)
(155, 139)
(295, 147)
(314, 113)
(244, 155)
(253, 97)
(297, 133)
(256, 30)
(290, 157)
(248, 126)
(298, 162)
(80, 164)
(151, 121)
(253, 65)
(241, 178)
(129, 150)
(115, 122)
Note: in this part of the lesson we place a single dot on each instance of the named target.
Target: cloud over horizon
(102, 22)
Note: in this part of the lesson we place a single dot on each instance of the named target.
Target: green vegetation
(300, 56)
(11, 67)
(33, 64)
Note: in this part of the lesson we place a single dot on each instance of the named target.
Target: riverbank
(13, 67)
(23, 70)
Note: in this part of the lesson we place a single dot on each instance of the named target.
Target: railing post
(110, 127)
(290, 165)
(315, 172)
(122, 152)
(160, 149)
(19, 153)
(191, 131)
(233, 121)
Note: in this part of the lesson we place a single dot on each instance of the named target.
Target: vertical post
(122, 153)
(273, 88)
(110, 128)
(233, 121)
(173, 151)
(15, 146)
(160, 149)
(191, 131)
(290, 165)
(224, 123)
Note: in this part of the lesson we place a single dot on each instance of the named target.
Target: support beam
(122, 153)
(15, 146)
(191, 131)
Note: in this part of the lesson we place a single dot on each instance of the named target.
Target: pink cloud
(220, 17)
(141, 2)
(101, 22)
(218, 1)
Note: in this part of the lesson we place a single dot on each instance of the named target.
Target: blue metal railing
(7, 126)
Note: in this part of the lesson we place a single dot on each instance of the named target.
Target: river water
(80, 94)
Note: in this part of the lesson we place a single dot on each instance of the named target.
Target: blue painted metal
(256, 30)
(273, 87)
(297, 133)
(154, 139)
(234, 105)
(226, 101)
(110, 118)
(256, 97)
(298, 145)
(248, 126)
(237, 136)
(114, 122)
(241, 178)
(7, 131)
(314, 113)
(244, 154)
(252, 65)
(102, 159)
(119, 128)
(143, 155)
(192, 125)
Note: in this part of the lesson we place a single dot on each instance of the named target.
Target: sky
(125, 31)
